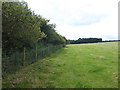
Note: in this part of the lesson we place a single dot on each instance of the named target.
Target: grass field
(75, 66)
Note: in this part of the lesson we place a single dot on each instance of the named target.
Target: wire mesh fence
(14, 62)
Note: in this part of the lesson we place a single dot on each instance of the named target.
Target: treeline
(111, 41)
(21, 27)
(84, 40)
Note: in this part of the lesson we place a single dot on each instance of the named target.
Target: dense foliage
(23, 28)
(85, 40)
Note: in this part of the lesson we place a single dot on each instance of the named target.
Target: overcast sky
(80, 18)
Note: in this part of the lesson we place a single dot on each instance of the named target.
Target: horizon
(101, 38)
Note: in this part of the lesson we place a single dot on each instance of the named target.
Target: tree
(21, 27)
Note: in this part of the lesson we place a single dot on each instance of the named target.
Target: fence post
(24, 57)
(36, 51)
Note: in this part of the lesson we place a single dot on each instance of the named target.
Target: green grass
(75, 66)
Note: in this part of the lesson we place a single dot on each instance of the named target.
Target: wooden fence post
(24, 57)
(36, 51)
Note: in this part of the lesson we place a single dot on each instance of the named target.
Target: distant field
(75, 66)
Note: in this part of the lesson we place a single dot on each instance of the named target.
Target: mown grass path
(75, 66)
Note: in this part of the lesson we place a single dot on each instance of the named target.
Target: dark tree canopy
(23, 28)
(85, 40)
